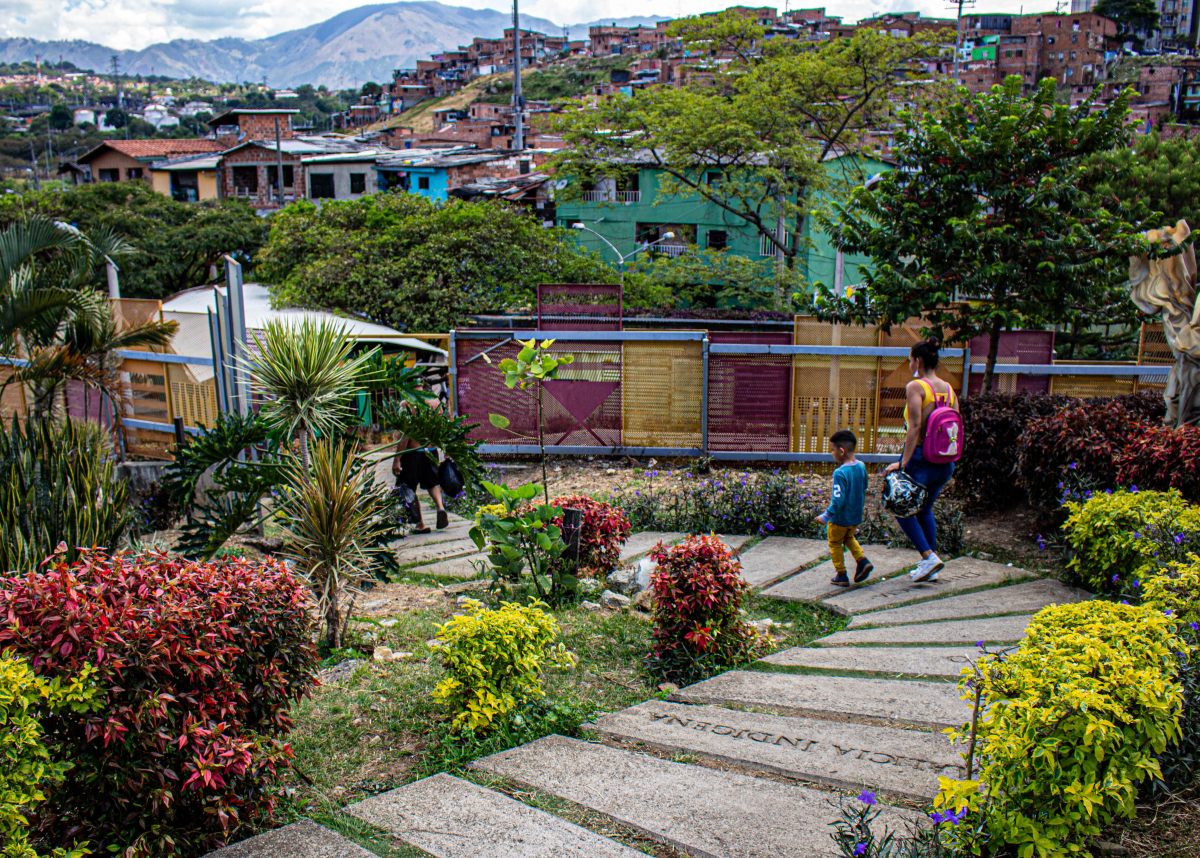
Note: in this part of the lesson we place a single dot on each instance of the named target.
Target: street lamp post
(621, 259)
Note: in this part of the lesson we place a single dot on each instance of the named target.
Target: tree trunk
(333, 625)
(302, 437)
(989, 373)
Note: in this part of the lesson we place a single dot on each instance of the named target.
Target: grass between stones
(373, 726)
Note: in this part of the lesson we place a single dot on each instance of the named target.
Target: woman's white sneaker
(927, 569)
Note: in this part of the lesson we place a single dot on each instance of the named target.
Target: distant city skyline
(134, 24)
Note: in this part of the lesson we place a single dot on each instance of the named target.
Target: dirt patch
(1169, 831)
(386, 600)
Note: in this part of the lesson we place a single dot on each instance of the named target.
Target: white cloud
(132, 24)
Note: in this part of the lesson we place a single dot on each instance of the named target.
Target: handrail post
(966, 368)
(704, 396)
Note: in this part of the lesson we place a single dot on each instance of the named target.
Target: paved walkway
(862, 708)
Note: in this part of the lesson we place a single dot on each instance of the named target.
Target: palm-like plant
(308, 376)
(332, 513)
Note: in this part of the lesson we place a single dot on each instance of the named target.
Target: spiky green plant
(332, 511)
(57, 485)
(306, 372)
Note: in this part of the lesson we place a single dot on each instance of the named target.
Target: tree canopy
(983, 225)
(413, 263)
(1163, 174)
(1132, 17)
(172, 243)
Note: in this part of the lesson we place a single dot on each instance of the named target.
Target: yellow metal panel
(661, 386)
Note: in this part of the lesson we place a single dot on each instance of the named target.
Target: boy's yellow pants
(842, 537)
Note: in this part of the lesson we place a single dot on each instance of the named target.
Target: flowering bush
(605, 529)
(27, 766)
(196, 665)
(494, 660)
(698, 591)
(1113, 535)
(1162, 457)
(1080, 437)
(1070, 724)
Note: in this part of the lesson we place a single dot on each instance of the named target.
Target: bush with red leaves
(605, 529)
(1076, 447)
(198, 664)
(1163, 458)
(698, 591)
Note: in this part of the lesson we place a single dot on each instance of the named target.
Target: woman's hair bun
(927, 351)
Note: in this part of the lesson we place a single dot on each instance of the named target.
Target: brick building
(130, 160)
(247, 124)
(249, 171)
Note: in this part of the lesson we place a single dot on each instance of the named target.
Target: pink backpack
(944, 435)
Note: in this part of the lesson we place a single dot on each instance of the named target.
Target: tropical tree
(752, 131)
(983, 226)
(1162, 174)
(332, 515)
(1134, 18)
(307, 374)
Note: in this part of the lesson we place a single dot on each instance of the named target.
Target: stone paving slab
(734, 543)
(642, 541)
(1027, 598)
(456, 530)
(452, 818)
(459, 567)
(777, 557)
(901, 702)
(905, 660)
(991, 630)
(904, 762)
(432, 551)
(965, 573)
(700, 811)
(812, 585)
(303, 839)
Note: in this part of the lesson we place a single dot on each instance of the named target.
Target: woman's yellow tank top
(930, 397)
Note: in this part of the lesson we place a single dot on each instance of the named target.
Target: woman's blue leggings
(921, 528)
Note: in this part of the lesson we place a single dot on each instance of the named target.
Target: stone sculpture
(1167, 285)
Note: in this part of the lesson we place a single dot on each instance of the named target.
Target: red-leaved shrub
(605, 529)
(1163, 458)
(1082, 437)
(197, 664)
(698, 591)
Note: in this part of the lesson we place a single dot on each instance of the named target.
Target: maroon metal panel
(579, 307)
(749, 396)
(1031, 347)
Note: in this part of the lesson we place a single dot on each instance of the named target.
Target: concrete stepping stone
(777, 557)
(694, 809)
(905, 660)
(989, 630)
(432, 551)
(735, 543)
(458, 567)
(965, 573)
(1026, 598)
(812, 585)
(303, 839)
(642, 541)
(456, 530)
(928, 705)
(452, 818)
(903, 762)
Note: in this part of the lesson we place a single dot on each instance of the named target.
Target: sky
(134, 24)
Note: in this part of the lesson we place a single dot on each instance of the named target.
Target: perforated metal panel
(749, 396)
(1091, 385)
(832, 393)
(1028, 347)
(145, 398)
(661, 386)
(579, 307)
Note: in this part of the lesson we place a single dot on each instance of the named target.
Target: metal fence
(741, 396)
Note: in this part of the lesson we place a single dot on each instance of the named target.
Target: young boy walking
(845, 513)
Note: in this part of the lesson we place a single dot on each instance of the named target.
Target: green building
(631, 213)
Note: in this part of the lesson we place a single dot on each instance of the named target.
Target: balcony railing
(670, 249)
(612, 196)
(596, 197)
(629, 196)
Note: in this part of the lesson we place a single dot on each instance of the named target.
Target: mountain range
(347, 50)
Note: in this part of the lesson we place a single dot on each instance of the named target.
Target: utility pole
(278, 163)
(958, 38)
(37, 186)
(518, 101)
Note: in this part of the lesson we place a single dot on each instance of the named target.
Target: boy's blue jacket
(849, 495)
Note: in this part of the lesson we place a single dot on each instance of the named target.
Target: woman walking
(922, 395)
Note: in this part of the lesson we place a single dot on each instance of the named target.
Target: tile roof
(159, 148)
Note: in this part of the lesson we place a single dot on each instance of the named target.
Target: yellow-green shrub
(494, 659)
(1174, 587)
(1109, 533)
(1071, 723)
(25, 764)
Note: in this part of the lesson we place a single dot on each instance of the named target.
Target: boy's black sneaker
(863, 570)
(840, 581)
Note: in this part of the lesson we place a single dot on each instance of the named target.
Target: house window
(288, 176)
(245, 180)
(423, 183)
(523, 167)
(321, 186)
(358, 183)
(717, 239)
(712, 177)
(110, 175)
(134, 173)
